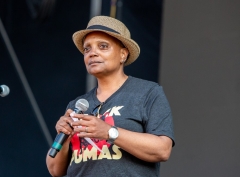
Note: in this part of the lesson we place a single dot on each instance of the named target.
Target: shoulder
(141, 81)
(141, 85)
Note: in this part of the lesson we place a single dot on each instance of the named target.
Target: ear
(124, 54)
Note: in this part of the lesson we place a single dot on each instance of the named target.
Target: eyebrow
(115, 40)
(101, 40)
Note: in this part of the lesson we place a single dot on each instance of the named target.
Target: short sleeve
(157, 113)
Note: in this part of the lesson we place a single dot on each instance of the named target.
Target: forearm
(145, 146)
(58, 166)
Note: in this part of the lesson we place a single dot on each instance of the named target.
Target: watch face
(113, 133)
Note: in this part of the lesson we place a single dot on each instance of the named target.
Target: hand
(63, 124)
(91, 127)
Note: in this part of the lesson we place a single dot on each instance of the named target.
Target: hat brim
(130, 44)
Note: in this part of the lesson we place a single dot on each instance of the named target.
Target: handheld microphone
(80, 106)
(4, 90)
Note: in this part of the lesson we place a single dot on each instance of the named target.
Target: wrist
(113, 134)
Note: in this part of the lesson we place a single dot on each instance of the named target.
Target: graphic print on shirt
(83, 151)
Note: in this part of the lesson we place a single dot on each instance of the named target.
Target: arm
(144, 146)
(58, 166)
(157, 120)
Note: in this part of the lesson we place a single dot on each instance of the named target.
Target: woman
(133, 131)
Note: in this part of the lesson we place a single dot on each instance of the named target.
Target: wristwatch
(112, 134)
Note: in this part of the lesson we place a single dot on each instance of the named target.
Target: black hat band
(102, 28)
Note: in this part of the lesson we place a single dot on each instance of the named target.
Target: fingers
(85, 120)
(82, 116)
(68, 112)
(86, 129)
(63, 124)
(82, 129)
(91, 127)
(85, 132)
(85, 125)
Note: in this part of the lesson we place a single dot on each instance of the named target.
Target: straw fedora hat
(114, 28)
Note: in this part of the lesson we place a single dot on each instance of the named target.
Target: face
(103, 54)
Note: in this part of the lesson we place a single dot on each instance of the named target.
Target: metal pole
(119, 9)
(113, 8)
(25, 84)
(95, 9)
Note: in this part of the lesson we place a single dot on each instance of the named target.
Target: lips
(94, 62)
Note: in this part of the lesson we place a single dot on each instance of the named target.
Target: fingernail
(72, 114)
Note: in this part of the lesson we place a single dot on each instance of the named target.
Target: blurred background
(192, 48)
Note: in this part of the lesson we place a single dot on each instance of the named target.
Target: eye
(103, 46)
(86, 49)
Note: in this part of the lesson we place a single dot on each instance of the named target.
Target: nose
(93, 52)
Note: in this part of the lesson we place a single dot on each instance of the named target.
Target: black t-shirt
(139, 106)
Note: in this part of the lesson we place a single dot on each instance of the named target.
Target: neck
(108, 85)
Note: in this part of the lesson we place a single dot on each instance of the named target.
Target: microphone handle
(57, 144)
(60, 139)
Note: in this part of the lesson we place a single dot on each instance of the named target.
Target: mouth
(94, 62)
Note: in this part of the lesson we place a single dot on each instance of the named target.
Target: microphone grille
(82, 105)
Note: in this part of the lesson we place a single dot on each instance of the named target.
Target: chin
(94, 72)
